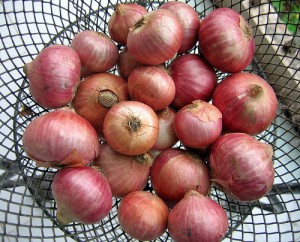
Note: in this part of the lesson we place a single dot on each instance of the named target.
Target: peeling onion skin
(242, 166)
(53, 76)
(197, 218)
(143, 215)
(82, 194)
(61, 138)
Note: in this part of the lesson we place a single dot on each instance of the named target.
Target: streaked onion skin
(242, 166)
(143, 215)
(155, 38)
(61, 138)
(226, 40)
(82, 194)
(197, 218)
(175, 171)
(53, 76)
(198, 125)
(124, 173)
(247, 102)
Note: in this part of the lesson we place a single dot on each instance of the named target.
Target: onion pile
(152, 123)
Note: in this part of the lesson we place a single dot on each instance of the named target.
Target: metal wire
(27, 208)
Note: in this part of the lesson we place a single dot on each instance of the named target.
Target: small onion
(143, 215)
(53, 76)
(151, 85)
(194, 79)
(97, 52)
(198, 125)
(242, 166)
(82, 194)
(226, 40)
(176, 171)
(122, 19)
(197, 218)
(155, 38)
(124, 173)
(96, 94)
(248, 103)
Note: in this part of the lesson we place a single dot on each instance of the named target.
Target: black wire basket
(27, 208)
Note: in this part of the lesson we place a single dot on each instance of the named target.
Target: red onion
(122, 19)
(248, 103)
(226, 40)
(190, 21)
(82, 194)
(194, 79)
(95, 96)
(166, 134)
(242, 166)
(124, 173)
(156, 37)
(126, 63)
(176, 171)
(143, 215)
(53, 76)
(151, 85)
(131, 127)
(198, 125)
(61, 138)
(197, 218)
(97, 52)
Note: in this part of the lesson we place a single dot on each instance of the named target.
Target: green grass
(289, 12)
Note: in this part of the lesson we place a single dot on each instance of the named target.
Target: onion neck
(138, 24)
(246, 29)
(145, 159)
(107, 98)
(133, 124)
(255, 91)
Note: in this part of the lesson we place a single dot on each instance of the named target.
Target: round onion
(82, 194)
(190, 21)
(176, 171)
(124, 173)
(151, 85)
(122, 19)
(166, 135)
(198, 125)
(96, 94)
(143, 215)
(156, 37)
(242, 166)
(248, 103)
(197, 218)
(61, 138)
(194, 79)
(226, 40)
(97, 52)
(53, 76)
(131, 127)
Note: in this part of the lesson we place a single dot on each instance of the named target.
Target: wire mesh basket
(27, 208)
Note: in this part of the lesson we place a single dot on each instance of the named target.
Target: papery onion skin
(122, 19)
(155, 38)
(175, 171)
(226, 40)
(248, 103)
(190, 22)
(96, 94)
(198, 125)
(131, 127)
(53, 76)
(197, 218)
(242, 166)
(143, 215)
(194, 79)
(151, 85)
(97, 52)
(82, 194)
(124, 173)
(61, 138)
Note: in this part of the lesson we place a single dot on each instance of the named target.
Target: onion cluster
(161, 121)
